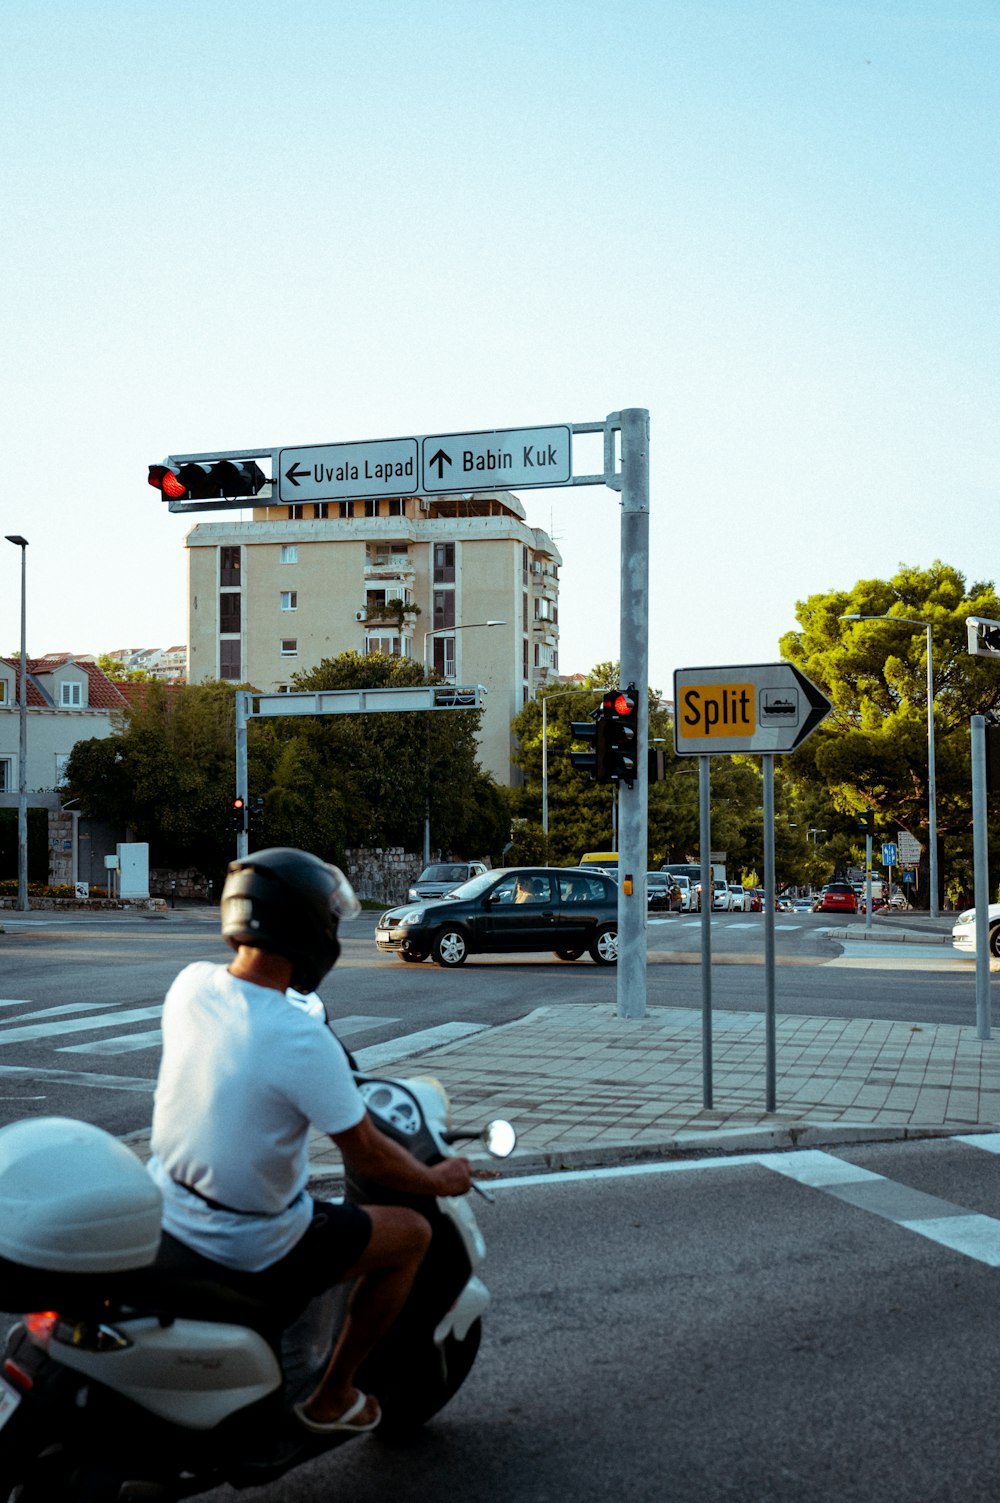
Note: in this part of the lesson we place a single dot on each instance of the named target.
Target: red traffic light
(219, 479)
(617, 702)
(622, 704)
(164, 479)
(238, 803)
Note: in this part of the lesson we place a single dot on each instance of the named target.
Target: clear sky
(773, 223)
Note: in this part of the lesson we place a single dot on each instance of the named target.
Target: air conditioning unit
(425, 504)
(361, 615)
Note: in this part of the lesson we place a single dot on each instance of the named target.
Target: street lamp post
(931, 774)
(22, 755)
(439, 631)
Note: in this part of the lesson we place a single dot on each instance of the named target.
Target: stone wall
(383, 876)
(189, 884)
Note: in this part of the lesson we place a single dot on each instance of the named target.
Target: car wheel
(995, 940)
(450, 947)
(413, 955)
(604, 950)
(568, 954)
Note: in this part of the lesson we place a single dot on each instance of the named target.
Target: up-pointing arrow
(440, 459)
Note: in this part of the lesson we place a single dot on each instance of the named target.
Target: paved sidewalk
(585, 1087)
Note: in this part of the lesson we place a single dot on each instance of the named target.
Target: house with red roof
(69, 699)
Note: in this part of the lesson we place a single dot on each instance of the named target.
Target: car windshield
(475, 885)
(444, 874)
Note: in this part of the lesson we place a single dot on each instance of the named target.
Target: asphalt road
(720, 1333)
(80, 995)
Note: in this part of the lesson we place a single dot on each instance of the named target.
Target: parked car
(963, 935)
(663, 895)
(838, 897)
(436, 881)
(570, 911)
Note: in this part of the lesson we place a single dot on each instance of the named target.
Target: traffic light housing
(620, 717)
(866, 822)
(983, 637)
(656, 769)
(594, 732)
(255, 812)
(220, 479)
(238, 816)
(992, 758)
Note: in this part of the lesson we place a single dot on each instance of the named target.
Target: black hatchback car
(569, 911)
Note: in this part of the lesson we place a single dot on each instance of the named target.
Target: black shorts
(330, 1246)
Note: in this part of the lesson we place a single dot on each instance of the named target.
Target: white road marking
(967, 1232)
(14, 1035)
(379, 1055)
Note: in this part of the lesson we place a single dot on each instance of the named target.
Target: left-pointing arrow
(295, 474)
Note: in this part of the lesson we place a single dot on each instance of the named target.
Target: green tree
(871, 752)
(115, 670)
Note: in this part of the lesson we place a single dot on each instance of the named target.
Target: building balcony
(394, 568)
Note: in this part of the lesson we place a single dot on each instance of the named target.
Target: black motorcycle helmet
(290, 903)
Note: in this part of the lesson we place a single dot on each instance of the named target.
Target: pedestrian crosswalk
(110, 1037)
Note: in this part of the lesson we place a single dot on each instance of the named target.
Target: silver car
(438, 881)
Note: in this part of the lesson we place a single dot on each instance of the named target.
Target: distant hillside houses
(167, 663)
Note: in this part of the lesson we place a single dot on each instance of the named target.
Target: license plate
(9, 1400)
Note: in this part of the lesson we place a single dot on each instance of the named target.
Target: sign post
(457, 464)
(762, 709)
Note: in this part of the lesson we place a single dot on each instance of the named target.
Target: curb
(734, 1142)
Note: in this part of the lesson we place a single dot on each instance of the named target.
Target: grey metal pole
(242, 776)
(868, 885)
(633, 819)
(22, 752)
(981, 875)
(705, 847)
(931, 781)
(770, 898)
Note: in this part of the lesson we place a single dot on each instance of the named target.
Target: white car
(963, 935)
(722, 898)
(739, 898)
(689, 897)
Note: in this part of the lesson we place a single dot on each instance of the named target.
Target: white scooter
(126, 1379)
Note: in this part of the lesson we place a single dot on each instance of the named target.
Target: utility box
(133, 870)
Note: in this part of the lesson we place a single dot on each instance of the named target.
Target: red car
(839, 897)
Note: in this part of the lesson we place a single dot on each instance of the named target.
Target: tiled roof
(102, 694)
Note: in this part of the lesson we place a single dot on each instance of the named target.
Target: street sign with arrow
(341, 472)
(762, 707)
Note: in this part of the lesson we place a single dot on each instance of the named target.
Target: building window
(344, 508)
(61, 760)
(444, 657)
(229, 566)
(297, 512)
(3, 691)
(229, 611)
(525, 657)
(71, 696)
(229, 660)
(396, 507)
(6, 774)
(289, 647)
(321, 510)
(444, 609)
(391, 647)
(371, 508)
(289, 600)
(444, 563)
(289, 553)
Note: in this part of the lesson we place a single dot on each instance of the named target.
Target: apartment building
(413, 576)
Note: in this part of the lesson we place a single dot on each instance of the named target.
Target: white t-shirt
(246, 1071)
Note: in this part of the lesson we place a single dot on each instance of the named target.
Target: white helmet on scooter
(290, 903)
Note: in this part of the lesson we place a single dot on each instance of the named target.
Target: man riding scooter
(247, 1069)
